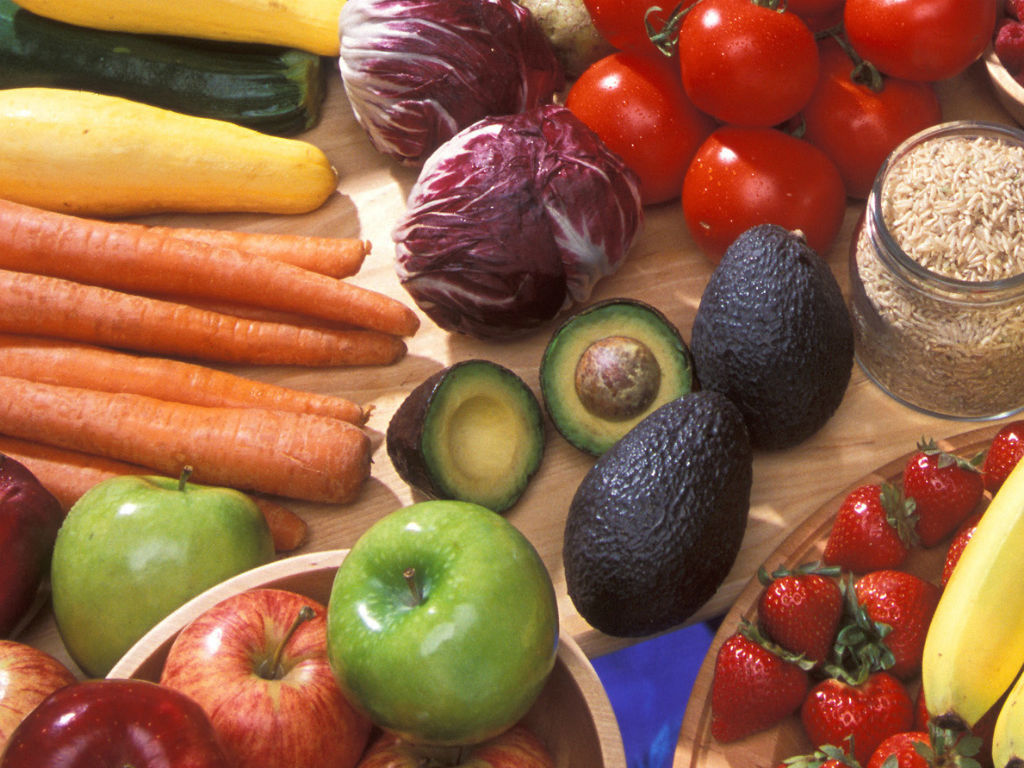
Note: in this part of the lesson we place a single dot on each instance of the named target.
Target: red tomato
(814, 7)
(857, 126)
(747, 64)
(920, 39)
(635, 102)
(741, 177)
(819, 14)
(622, 22)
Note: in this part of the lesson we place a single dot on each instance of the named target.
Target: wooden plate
(573, 715)
(697, 748)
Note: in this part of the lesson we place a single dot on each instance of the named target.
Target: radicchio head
(416, 72)
(513, 220)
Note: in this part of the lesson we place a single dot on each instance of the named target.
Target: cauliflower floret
(572, 33)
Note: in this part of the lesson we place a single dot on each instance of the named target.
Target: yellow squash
(90, 154)
(311, 25)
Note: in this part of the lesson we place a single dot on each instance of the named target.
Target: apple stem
(410, 578)
(272, 670)
(186, 473)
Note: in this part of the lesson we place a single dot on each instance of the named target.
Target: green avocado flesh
(609, 366)
(472, 432)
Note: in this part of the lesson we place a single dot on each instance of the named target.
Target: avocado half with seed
(473, 431)
(607, 367)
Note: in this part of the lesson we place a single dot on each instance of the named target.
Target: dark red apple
(27, 676)
(123, 723)
(29, 519)
(517, 747)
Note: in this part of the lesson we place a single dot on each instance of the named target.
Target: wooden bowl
(573, 715)
(1008, 91)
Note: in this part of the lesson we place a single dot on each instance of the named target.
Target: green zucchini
(274, 90)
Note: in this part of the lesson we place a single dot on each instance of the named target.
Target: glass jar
(937, 272)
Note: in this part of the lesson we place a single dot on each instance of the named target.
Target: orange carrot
(331, 256)
(143, 260)
(252, 449)
(288, 529)
(69, 474)
(71, 364)
(65, 474)
(48, 306)
(253, 313)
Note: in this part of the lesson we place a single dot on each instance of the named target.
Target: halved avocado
(473, 432)
(607, 367)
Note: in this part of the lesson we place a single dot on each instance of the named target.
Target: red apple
(29, 519)
(27, 676)
(130, 723)
(517, 747)
(257, 663)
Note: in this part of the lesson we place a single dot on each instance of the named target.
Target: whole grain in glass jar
(937, 272)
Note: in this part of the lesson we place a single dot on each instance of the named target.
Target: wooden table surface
(665, 269)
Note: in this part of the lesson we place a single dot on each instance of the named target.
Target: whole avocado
(772, 333)
(657, 522)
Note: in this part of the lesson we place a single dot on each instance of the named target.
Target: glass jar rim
(995, 289)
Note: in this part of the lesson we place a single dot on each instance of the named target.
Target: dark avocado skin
(773, 333)
(405, 430)
(657, 522)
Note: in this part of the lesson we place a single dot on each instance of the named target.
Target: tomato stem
(863, 72)
(666, 39)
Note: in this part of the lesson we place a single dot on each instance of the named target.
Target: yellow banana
(1008, 738)
(975, 643)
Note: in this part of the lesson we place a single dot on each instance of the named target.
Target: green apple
(134, 548)
(442, 623)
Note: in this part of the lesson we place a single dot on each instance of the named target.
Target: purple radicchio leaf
(513, 220)
(416, 72)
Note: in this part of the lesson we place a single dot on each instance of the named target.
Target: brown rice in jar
(937, 272)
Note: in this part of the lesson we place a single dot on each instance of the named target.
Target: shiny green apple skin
(134, 548)
(467, 660)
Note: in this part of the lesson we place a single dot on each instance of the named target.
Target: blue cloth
(649, 684)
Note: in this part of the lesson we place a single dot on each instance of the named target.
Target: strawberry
(755, 685)
(931, 747)
(945, 489)
(905, 749)
(1015, 9)
(1004, 452)
(825, 756)
(905, 603)
(956, 546)
(869, 712)
(800, 609)
(873, 529)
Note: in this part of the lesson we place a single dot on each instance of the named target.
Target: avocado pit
(617, 378)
